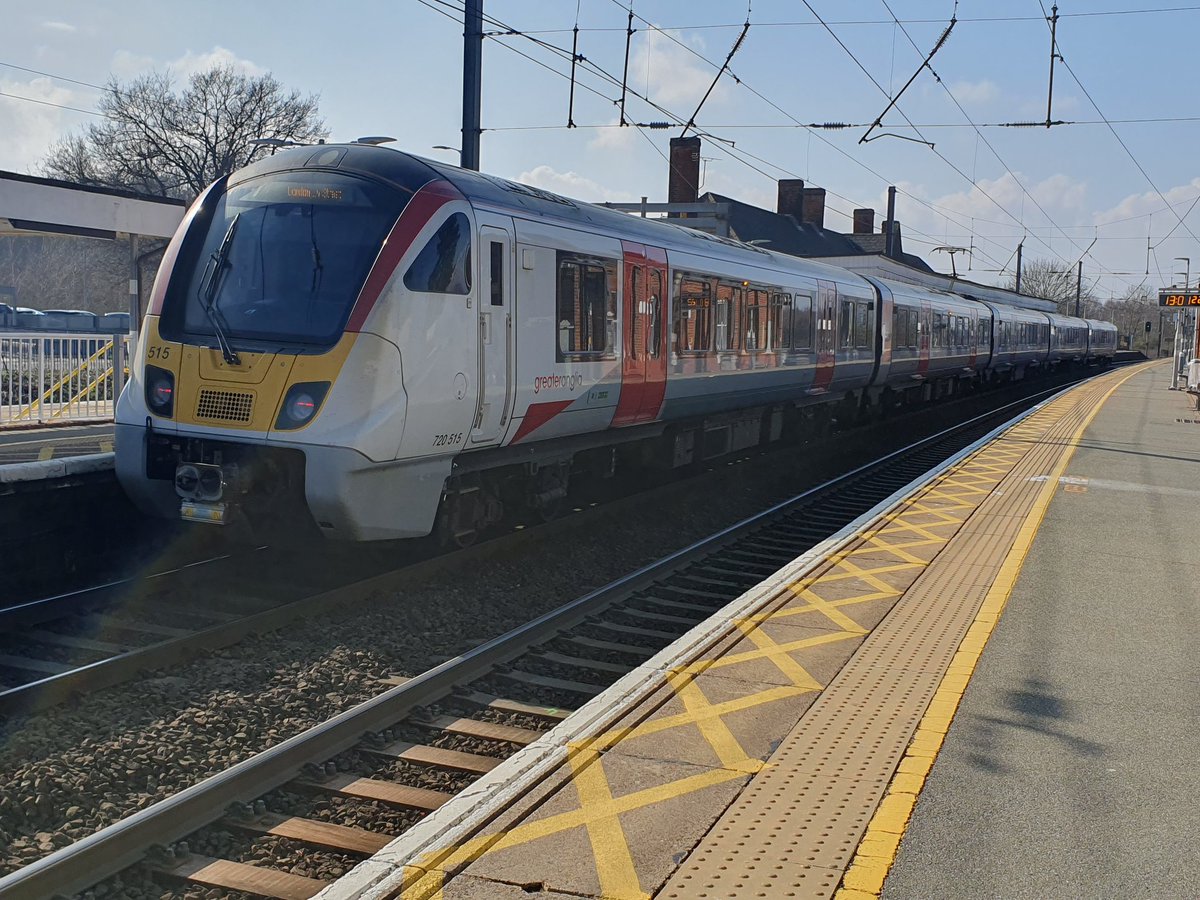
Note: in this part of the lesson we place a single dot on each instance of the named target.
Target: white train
(386, 344)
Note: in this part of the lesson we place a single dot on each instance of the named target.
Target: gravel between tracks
(65, 773)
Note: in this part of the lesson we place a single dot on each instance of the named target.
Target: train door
(826, 336)
(496, 297)
(643, 357)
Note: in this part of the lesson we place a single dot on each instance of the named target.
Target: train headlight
(301, 404)
(160, 391)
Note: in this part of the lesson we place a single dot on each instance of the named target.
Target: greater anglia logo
(570, 382)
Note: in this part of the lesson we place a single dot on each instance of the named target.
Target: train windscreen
(284, 258)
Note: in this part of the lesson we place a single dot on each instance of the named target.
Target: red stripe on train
(420, 209)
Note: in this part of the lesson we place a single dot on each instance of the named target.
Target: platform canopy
(31, 205)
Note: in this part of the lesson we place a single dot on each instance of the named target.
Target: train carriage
(1068, 339)
(937, 340)
(1101, 341)
(385, 345)
(1020, 340)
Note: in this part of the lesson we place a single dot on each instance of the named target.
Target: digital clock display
(1179, 299)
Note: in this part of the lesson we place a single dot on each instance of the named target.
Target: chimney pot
(813, 207)
(864, 221)
(683, 184)
(791, 190)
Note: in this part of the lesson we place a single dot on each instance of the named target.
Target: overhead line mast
(472, 83)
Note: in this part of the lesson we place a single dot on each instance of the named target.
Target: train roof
(410, 173)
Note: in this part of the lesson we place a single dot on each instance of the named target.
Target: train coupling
(201, 488)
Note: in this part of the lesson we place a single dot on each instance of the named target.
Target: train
(376, 346)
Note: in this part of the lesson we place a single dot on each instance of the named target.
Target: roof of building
(782, 233)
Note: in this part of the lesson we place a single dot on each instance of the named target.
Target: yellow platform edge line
(877, 851)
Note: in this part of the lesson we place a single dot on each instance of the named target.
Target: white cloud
(59, 26)
(127, 64)
(30, 128)
(615, 138)
(573, 185)
(975, 92)
(191, 63)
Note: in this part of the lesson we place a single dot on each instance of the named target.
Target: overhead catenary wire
(979, 134)
(1124, 146)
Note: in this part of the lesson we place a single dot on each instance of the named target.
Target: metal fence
(47, 378)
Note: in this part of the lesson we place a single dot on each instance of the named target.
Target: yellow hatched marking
(712, 727)
(45, 453)
(828, 610)
(871, 576)
(614, 862)
(777, 653)
(713, 710)
(898, 550)
(851, 570)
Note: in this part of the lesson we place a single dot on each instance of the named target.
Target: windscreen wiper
(210, 289)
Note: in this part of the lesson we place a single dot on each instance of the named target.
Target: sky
(1121, 195)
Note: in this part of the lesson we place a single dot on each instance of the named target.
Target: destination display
(1179, 299)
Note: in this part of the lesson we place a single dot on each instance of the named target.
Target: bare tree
(158, 141)
(1131, 313)
(1056, 282)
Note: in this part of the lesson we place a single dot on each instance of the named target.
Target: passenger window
(728, 300)
(444, 264)
(497, 273)
(802, 305)
(693, 315)
(636, 310)
(654, 306)
(587, 306)
(862, 326)
(779, 335)
(756, 313)
(846, 325)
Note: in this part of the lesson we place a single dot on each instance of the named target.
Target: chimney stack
(790, 202)
(683, 186)
(812, 207)
(864, 221)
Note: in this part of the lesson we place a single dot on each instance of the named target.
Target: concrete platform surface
(778, 749)
(20, 445)
(1071, 766)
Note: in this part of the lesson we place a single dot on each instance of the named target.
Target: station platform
(22, 445)
(982, 688)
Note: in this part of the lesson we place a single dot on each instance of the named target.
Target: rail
(53, 377)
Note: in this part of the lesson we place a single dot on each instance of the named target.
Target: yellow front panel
(209, 392)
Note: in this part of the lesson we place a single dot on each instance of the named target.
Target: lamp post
(451, 149)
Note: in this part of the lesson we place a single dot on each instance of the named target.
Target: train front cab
(289, 397)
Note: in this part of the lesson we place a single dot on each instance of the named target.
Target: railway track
(284, 822)
(57, 648)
